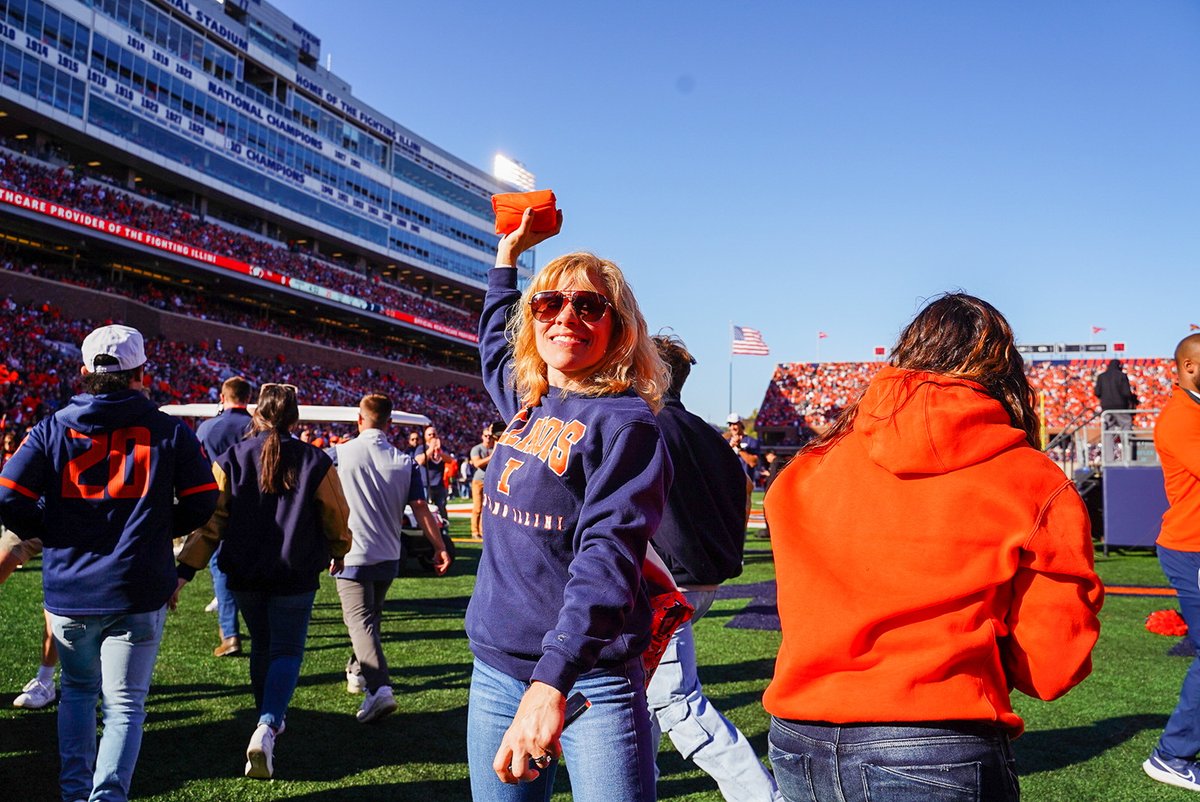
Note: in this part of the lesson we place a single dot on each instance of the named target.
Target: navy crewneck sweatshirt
(572, 496)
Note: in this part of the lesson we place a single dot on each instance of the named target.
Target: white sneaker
(1173, 771)
(212, 606)
(376, 705)
(35, 695)
(355, 683)
(260, 753)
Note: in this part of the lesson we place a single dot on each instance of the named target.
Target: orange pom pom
(1166, 622)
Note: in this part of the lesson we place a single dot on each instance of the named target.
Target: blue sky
(800, 167)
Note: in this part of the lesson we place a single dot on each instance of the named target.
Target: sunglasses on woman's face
(589, 306)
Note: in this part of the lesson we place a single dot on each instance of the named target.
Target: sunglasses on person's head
(589, 305)
(287, 387)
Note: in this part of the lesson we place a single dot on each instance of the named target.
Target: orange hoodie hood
(926, 423)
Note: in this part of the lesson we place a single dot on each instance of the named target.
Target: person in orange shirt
(1177, 441)
(450, 476)
(928, 558)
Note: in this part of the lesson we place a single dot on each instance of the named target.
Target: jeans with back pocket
(935, 762)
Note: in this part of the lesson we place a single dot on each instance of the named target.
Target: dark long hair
(963, 337)
(277, 412)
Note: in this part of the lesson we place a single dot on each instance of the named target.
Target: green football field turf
(1086, 746)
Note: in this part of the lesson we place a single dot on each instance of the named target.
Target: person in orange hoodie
(1177, 441)
(929, 558)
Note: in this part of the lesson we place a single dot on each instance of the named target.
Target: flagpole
(731, 366)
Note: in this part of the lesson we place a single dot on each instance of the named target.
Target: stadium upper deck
(223, 108)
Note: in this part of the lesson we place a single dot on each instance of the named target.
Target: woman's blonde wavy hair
(631, 361)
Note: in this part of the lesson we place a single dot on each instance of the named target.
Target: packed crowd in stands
(183, 301)
(812, 394)
(41, 371)
(1068, 387)
(62, 186)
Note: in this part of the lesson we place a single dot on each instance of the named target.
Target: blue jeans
(278, 627)
(698, 730)
(938, 762)
(110, 657)
(607, 750)
(227, 609)
(1181, 738)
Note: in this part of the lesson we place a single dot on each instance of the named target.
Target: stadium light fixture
(511, 171)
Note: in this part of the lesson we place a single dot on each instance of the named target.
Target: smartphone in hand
(576, 705)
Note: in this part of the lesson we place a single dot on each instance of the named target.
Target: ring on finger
(541, 762)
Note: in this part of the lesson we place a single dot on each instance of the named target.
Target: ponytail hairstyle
(963, 337)
(277, 412)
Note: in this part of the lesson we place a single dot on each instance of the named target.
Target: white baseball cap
(123, 343)
(733, 418)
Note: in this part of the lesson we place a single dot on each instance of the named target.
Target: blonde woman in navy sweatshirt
(574, 491)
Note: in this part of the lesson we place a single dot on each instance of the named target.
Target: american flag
(749, 341)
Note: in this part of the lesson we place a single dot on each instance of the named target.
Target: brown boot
(228, 646)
